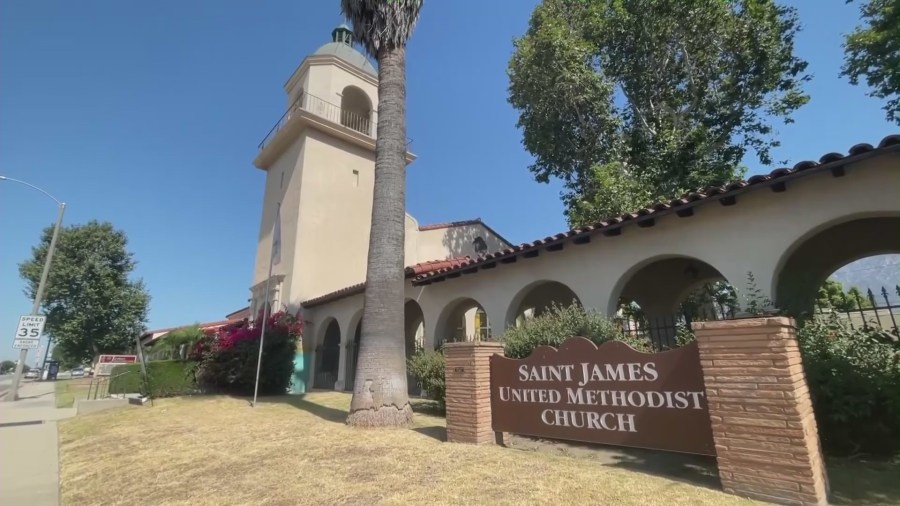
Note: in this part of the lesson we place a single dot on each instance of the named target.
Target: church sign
(609, 394)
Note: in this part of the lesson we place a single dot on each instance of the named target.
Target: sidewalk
(29, 446)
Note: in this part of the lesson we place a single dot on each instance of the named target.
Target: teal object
(300, 376)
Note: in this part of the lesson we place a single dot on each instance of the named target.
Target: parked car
(33, 374)
(77, 372)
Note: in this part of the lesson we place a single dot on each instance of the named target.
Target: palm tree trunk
(380, 397)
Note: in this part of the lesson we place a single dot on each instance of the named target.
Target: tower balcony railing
(324, 109)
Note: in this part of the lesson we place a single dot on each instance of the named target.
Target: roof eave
(888, 144)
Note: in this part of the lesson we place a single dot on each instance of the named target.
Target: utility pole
(13, 394)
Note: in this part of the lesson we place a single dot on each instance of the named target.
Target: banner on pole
(276, 238)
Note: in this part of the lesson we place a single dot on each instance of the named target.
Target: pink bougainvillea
(229, 335)
(229, 357)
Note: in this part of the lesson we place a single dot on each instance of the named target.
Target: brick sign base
(468, 391)
(765, 434)
(767, 442)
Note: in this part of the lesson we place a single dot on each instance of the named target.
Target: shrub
(177, 343)
(550, 329)
(428, 369)
(229, 359)
(167, 378)
(561, 322)
(853, 377)
(684, 335)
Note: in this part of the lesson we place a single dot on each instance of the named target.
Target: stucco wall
(333, 224)
(410, 250)
(297, 83)
(282, 185)
(327, 82)
(443, 243)
(757, 234)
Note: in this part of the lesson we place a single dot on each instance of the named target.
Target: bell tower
(319, 160)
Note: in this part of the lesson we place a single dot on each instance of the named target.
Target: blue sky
(148, 115)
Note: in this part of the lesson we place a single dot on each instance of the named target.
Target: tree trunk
(380, 397)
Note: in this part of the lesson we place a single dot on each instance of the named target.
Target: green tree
(872, 52)
(855, 300)
(380, 396)
(831, 295)
(627, 101)
(91, 304)
(172, 345)
(65, 362)
(711, 300)
(7, 366)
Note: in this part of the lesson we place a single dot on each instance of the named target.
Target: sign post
(13, 394)
(145, 380)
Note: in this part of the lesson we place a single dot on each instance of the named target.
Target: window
(479, 245)
(355, 178)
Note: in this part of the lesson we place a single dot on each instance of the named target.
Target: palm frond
(382, 23)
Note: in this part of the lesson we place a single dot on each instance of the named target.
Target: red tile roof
(410, 272)
(829, 161)
(434, 265)
(240, 314)
(203, 326)
(335, 295)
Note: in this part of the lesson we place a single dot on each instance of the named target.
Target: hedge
(853, 376)
(428, 369)
(553, 327)
(559, 323)
(167, 378)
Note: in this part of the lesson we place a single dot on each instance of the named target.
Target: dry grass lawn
(67, 391)
(287, 451)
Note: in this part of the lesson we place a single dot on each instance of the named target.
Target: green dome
(341, 46)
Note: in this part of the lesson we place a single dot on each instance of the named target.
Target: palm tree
(380, 397)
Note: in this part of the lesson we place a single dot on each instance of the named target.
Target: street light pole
(13, 393)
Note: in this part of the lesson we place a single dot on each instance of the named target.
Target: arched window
(356, 110)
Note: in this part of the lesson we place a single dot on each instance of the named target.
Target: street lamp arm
(13, 391)
(58, 202)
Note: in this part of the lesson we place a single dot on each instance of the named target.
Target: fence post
(467, 374)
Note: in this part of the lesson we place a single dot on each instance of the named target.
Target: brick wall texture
(766, 438)
(468, 384)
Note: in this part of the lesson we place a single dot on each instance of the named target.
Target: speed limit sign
(28, 333)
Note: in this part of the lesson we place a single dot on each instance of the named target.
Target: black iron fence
(665, 332)
(325, 380)
(326, 369)
(482, 334)
(352, 356)
(866, 311)
(872, 310)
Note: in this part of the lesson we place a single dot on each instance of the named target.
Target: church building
(319, 161)
(789, 229)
